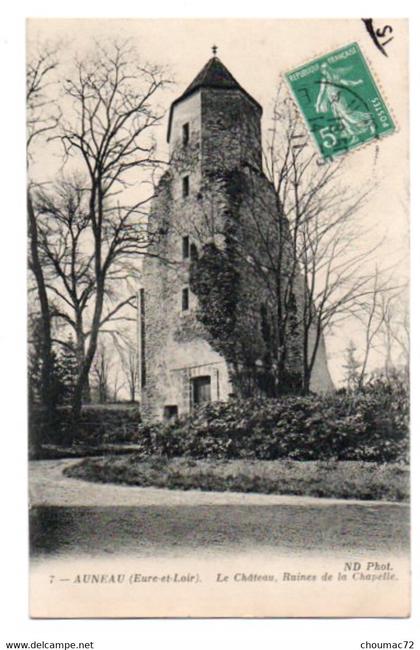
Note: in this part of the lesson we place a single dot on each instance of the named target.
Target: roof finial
(214, 50)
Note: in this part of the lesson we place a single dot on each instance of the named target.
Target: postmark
(340, 101)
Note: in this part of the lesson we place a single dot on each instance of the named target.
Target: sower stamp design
(340, 101)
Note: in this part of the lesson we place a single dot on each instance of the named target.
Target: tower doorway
(201, 390)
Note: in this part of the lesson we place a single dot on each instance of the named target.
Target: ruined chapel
(206, 329)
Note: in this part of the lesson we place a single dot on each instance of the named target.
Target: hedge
(98, 425)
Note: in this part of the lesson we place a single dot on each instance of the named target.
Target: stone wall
(176, 349)
(231, 131)
(222, 160)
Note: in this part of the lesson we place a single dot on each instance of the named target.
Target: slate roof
(213, 75)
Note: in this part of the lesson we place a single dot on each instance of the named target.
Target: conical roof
(213, 75)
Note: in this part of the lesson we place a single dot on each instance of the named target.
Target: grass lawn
(339, 479)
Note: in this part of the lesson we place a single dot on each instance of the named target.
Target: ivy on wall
(214, 279)
(243, 333)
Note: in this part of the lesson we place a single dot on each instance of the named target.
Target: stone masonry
(215, 174)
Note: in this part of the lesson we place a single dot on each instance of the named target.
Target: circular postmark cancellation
(340, 101)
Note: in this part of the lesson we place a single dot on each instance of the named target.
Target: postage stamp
(340, 101)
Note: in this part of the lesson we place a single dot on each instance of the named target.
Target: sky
(258, 52)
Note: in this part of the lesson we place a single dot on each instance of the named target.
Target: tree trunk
(306, 375)
(87, 398)
(306, 383)
(47, 371)
(82, 380)
(80, 354)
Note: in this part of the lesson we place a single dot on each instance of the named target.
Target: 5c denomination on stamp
(340, 101)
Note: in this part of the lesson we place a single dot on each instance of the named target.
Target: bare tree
(101, 372)
(375, 313)
(66, 251)
(400, 332)
(42, 119)
(68, 277)
(42, 107)
(108, 135)
(351, 366)
(118, 384)
(321, 261)
(130, 366)
(395, 333)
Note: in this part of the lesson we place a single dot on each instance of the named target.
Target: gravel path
(48, 486)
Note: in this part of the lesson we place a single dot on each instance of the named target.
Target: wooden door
(201, 390)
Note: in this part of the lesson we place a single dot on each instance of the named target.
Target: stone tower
(212, 207)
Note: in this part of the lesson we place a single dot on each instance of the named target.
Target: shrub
(369, 424)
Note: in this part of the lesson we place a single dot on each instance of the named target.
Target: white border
(15, 625)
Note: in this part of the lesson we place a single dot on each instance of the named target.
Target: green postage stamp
(340, 101)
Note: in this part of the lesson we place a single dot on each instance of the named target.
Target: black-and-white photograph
(218, 322)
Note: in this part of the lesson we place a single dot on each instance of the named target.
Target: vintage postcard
(218, 318)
